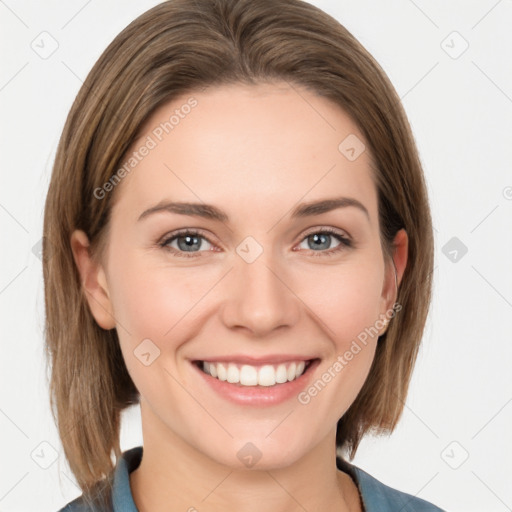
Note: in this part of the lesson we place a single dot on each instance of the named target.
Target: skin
(244, 149)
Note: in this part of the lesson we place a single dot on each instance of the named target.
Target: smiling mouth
(266, 375)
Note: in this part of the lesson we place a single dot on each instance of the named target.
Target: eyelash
(344, 242)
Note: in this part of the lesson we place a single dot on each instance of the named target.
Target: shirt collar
(122, 498)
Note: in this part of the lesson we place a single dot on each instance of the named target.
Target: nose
(260, 296)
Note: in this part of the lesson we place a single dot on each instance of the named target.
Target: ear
(390, 287)
(94, 282)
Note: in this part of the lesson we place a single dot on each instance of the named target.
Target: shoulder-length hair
(176, 48)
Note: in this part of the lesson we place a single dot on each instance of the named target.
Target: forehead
(252, 146)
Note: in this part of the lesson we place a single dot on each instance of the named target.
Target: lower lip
(259, 395)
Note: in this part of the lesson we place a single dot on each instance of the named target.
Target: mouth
(254, 375)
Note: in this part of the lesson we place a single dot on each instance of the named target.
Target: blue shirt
(375, 496)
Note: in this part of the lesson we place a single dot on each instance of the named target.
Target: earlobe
(93, 279)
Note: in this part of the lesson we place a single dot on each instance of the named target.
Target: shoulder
(379, 497)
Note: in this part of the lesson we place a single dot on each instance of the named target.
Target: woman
(242, 243)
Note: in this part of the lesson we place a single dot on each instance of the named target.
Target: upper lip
(254, 360)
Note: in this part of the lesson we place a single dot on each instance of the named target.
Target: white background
(460, 109)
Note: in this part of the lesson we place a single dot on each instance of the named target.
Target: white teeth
(222, 373)
(281, 374)
(233, 374)
(247, 375)
(266, 376)
(291, 371)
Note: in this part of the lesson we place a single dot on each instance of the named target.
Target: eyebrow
(209, 211)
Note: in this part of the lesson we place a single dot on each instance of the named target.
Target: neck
(173, 475)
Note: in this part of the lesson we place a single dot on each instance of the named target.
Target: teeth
(247, 375)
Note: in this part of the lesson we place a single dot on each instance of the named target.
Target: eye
(321, 239)
(187, 241)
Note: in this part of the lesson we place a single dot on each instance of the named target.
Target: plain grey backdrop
(451, 63)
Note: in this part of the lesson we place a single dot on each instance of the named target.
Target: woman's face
(258, 281)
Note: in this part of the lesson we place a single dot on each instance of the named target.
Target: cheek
(344, 301)
(149, 301)
(346, 298)
(156, 304)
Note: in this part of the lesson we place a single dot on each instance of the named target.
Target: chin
(259, 454)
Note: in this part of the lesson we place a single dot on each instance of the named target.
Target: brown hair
(178, 47)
